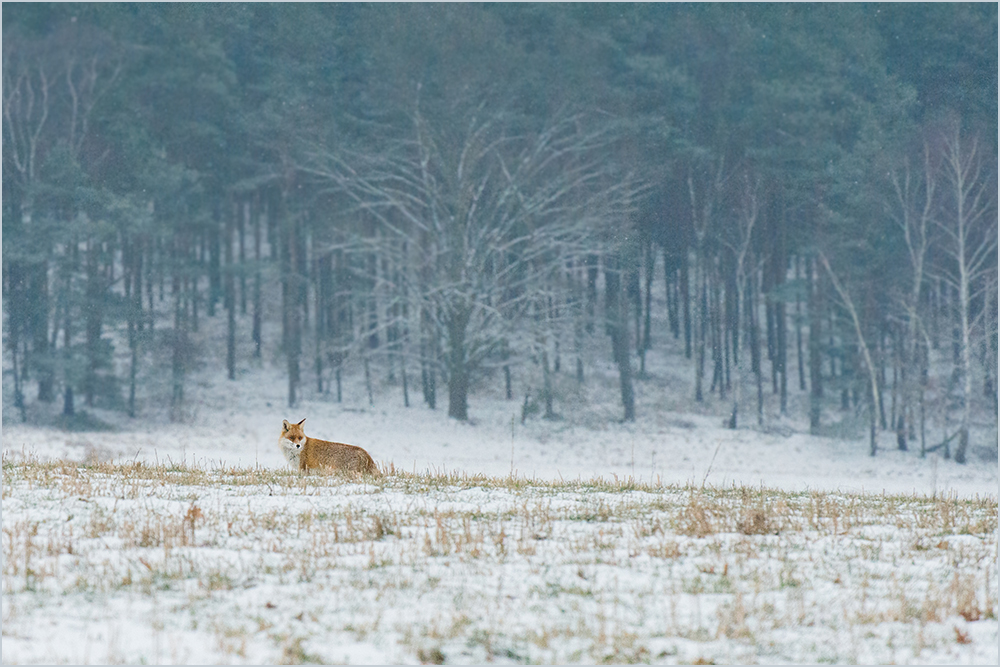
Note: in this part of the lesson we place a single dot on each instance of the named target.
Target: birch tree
(969, 229)
(914, 209)
(739, 242)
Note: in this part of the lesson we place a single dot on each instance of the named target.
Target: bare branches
(972, 239)
(490, 218)
(25, 113)
(50, 90)
(968, 225)
(917, 200)
(86, 86)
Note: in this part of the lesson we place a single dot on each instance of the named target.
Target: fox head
(293, 434)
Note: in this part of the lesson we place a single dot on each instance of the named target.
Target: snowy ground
(237, 423)
(137, 564)
(104, 564)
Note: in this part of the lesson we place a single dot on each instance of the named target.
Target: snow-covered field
(143, 564)
(673, 441)
(671, 539)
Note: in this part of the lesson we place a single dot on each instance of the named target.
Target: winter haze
(673, 327)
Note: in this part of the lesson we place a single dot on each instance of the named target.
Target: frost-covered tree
(489, 216)
(969, 226)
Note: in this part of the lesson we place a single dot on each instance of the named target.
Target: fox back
(307, 453)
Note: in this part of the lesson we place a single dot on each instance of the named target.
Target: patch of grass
(293, 653)
(432, 656)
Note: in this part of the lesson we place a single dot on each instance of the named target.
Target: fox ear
(300, 423)
(285, 424)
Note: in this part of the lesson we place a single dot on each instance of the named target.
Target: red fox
(309, 453)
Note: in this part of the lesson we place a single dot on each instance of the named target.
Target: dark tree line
(454, 189)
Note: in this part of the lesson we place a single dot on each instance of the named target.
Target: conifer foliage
(444, 193)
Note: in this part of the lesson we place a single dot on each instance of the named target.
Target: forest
(439, 193)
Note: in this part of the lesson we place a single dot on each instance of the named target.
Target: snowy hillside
(674, 440)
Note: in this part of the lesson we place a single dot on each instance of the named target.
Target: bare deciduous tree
(914, 210)
(968, 226)
(491, 218)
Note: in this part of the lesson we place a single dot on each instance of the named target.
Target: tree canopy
(392, 169)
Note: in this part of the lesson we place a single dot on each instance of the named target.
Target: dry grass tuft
(756, 521)
(697, 519)
(432, 656)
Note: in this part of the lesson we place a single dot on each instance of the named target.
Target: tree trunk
(670, 288)
(194, 300)
(591, 307)
(507, 387)
(458, 362)
(93, 320)
(798, 327)
(406, 388)
(966, 374)
(257, 314)
(37, 321)
(685, 289)
(814, 306)
(617, 328)
(924, 372)
(900, 390)
(428, 358)
(322, 276)
(650, 268)
(634, 295)
(243, 215)
(579, 326)
(215, 292)
(368, 380)
(177, 356)
(14, 282)
(755, 360)
(336, 375)
(290, 293)
(67, 353)
(150, 247)
(740, 290)
(880, 356)
(547, 386)
(782, 356)
(133, 281)
(718, 344)
(13, 342)
(230, 295)
(936, 298)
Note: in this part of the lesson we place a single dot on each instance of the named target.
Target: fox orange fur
(309, 453)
